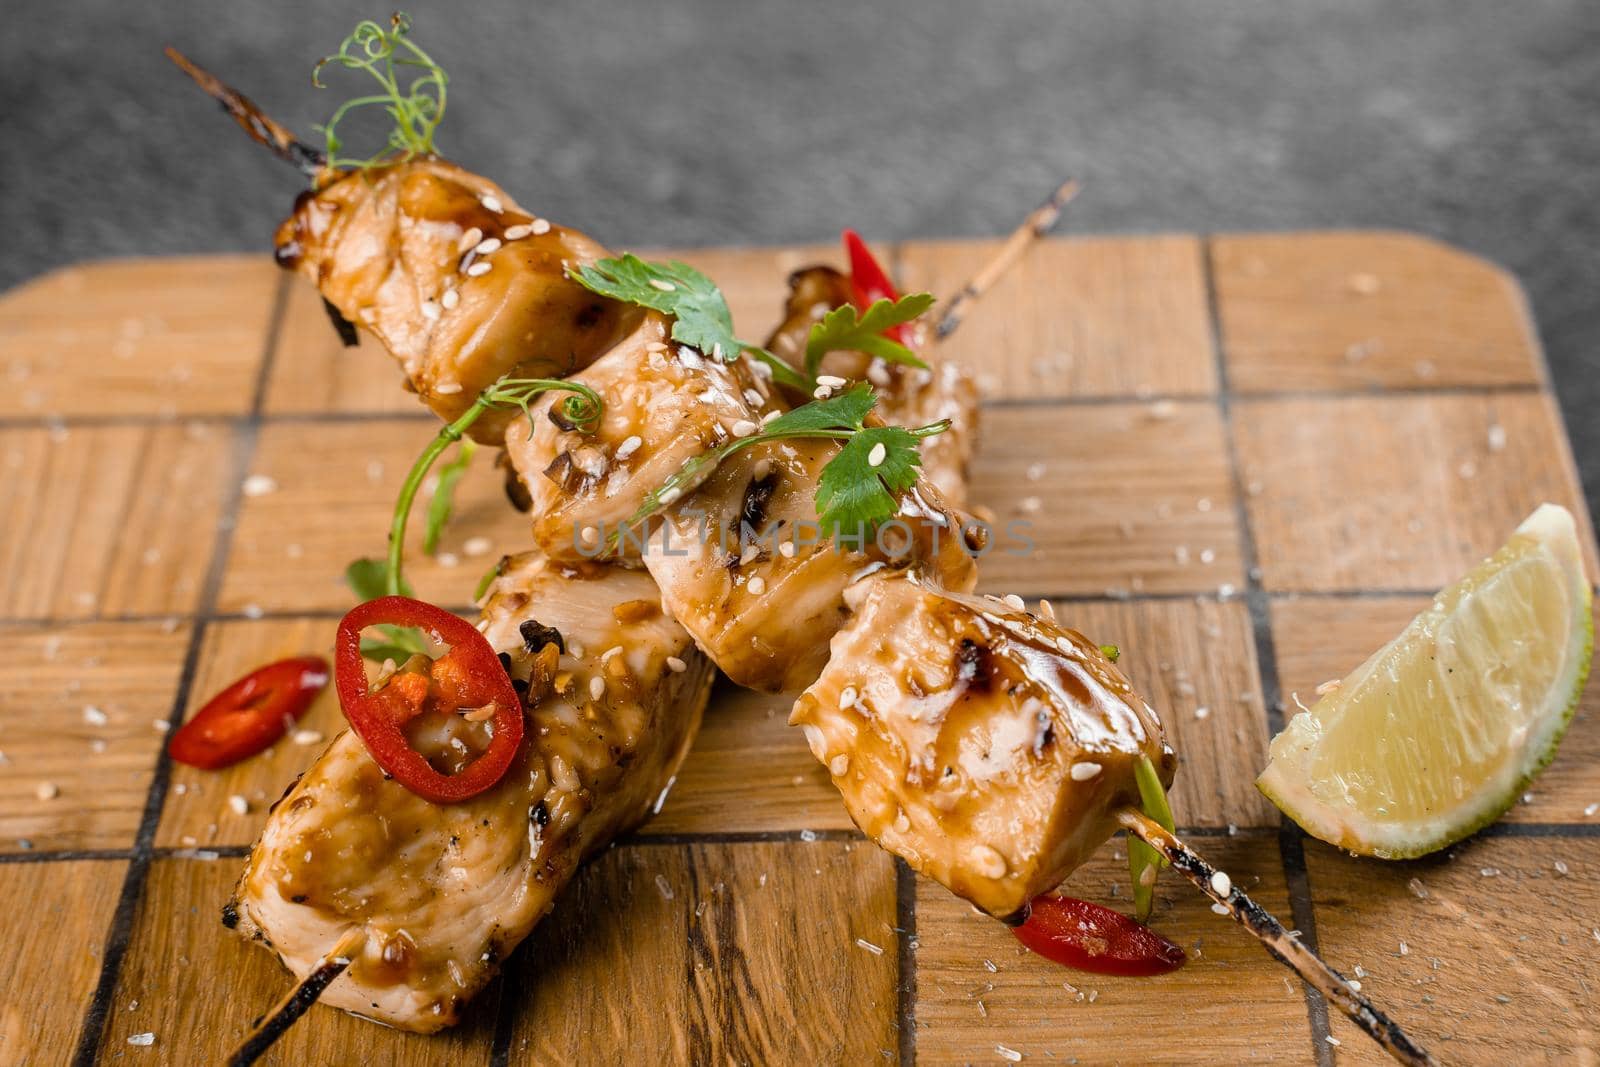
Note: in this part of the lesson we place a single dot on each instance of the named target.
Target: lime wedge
(1438, 733)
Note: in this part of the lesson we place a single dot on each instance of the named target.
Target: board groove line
(1291, 850)
(120, 933)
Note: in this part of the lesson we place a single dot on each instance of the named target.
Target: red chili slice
(251, 714)
(869, 282)
(470, 675)
(1092, 938)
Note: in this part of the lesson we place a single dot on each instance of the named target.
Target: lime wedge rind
(1441, 730)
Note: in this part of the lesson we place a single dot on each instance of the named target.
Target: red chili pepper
(869, 282)
(250, 714)
(468, 676)
(1091, 938)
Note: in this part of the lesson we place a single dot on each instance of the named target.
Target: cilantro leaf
(846, 411)
(443, 501)
(844, 328)
(854, 494)
(672, 288)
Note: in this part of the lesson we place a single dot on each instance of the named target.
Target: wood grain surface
(1246, 460)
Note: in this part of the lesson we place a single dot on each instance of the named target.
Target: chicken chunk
(454, 279)
(445, 891)
(987, 747)
(664, 404)
(743, 565)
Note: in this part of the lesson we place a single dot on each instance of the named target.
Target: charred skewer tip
(1282, 945)
(261, 127)
(275, 1023)
(1040, 221)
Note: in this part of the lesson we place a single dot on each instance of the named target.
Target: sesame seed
(655, 346)
(987, 862)
(847, 696)
(676, 665)
(1405, 949)
(745, 428)
(1497, 438)
(664, 286)
(239, 804)
(1014, 602)
(259, 485)
(629, 446)
(821, 392)
(1008, 1054)
(477, 546)
(756, 585)
(869, 946)
(671, 494)
(1202, 712)
(1330, 1039)
(142, 1040)
(47, 791)
(1561, 868)
(307, 737)
(839, 765)
(518, 232)
(469, 239)
(589, 535)
(94, 716)
(1220, 909)
(161, 726)
(597, 687)
(492, 202)
(541, 226)
(1591, 809)
(750, 553)
(878, 454)
(769, 416)
(430, 310)
(1221, 884)
(1047, 610)
(902, 823)
(487, 245)
(447, 388)
(1082, 772)
(450, 299)
(830, 380)
(479, 269)
(786, 550)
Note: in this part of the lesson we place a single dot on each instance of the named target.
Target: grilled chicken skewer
(444, 892)
(1001, 689)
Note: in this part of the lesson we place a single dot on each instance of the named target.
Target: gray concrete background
(698, 122)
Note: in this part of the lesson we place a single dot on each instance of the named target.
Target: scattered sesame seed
(1082, 772)
(629, 446)
(664, 887)
(597, 687)
(1561, 868)
(786, 549)
(450, 299)
(746, 428)
(831, 380)
(307, 737)
(676, 665)
(664, 286)
(1014, 602)
(1221, 884)
(1489, 872)
(839, 765)
(1220, 909)
(590, 535)
(430, 310)
(1591, 809)
(142, 1040)
(239, 803)
(1497, 437)
(1008, 1054)
(541, 226)
(487, 245)
(518, 232)
(987, 862)
(479, 269)
(671, 494)
(259, 485)
(869, 946)
(756, 585)
(492, 202)
(1035, 471)
(878, 454)
(447, 559)
(160, 726)
(821, 392)
(477, 546)
(1330, 1039)
(749, 554)
(655, 346)
(1405, 949)
(1418, 890)
(47, 791)
(94, 716)
(769, 416)
(469, 239)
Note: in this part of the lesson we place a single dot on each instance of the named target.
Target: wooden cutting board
(1247, 460)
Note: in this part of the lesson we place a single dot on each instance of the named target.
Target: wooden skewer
(1286, 949)
(276, 1022)
(255, 122)
(1039, 222)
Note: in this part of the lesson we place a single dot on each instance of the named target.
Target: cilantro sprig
(413, 90)
(857, 490)
(699, 310)
(845, 329)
